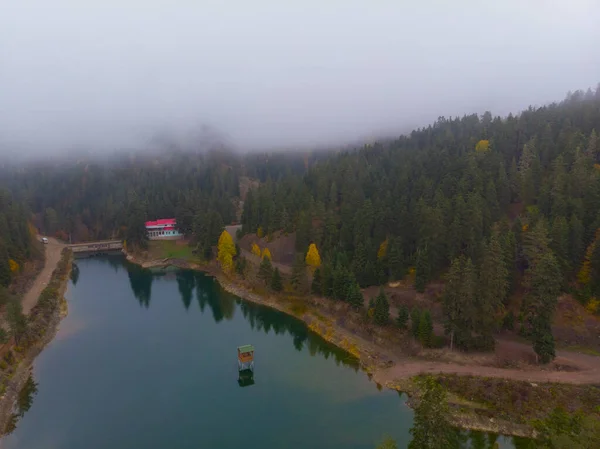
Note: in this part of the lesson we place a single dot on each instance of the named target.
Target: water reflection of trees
(74, 273)
(222, 305)
(209, 293)
(185, 284)
(140, 280)
(267, 319)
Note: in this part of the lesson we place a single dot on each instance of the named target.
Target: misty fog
(277, 74)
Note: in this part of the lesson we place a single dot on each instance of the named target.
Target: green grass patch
(169, 249)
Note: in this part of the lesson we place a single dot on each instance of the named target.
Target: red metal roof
(162, 221)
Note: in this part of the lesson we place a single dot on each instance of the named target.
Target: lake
(148, 360)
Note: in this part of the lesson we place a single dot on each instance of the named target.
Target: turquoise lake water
(148, 360)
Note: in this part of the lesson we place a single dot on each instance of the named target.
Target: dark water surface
(148, 361)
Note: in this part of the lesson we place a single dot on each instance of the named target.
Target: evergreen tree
(303, 232)
(492, 286)
(461, 311)
(402, 320)
(425, 329)
(316, 287)
(327, 277)
(240, 266)
(415, 319)
(431, 426)
(423, 269)
(509, 251)
(543, 340)
(135, 234)
(576, 240)
(355, 296)
(545, 288)
(535, 242)
(395, 260)
(299, 278)
(265, 271)
(5, 274)
(359, 263)
(560, 242)
(382, 309)
(369, 275)
(276, 281)
(342, 281)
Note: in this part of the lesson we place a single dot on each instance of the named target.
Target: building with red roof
(163, 229)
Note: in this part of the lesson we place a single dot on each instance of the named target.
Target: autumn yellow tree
(266, 253)
(14, 265)
(313, 259)
(226, 249)
(255, 249)
(482, 146)
(259, 232)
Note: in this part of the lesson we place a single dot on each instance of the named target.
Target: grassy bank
(42, 324)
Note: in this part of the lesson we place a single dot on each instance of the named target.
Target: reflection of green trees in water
(24, 402)
(74, 273)
(140, 280)
(222, 305)
(186, 284)
(267, 320)
(209, 293)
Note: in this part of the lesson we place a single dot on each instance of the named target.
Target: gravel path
(53, 252)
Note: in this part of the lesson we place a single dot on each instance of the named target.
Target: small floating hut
(245, 357)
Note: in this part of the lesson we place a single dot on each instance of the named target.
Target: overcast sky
(105, 74)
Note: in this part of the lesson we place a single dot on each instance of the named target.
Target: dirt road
(53, 251)
(586, 369)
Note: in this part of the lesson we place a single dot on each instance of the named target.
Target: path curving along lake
(148, 360)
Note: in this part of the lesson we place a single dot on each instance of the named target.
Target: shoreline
(24, 369)
(371, 360)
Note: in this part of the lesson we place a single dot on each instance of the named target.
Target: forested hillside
(90, 199)
(15, 238)
(493, 204)
(94, 200)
